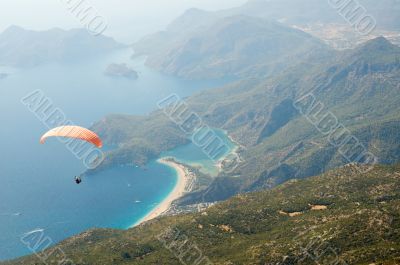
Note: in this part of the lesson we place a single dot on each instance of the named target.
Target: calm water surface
(37, 189)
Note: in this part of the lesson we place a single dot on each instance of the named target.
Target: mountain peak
(194, 11)
(189, 20)
(376, 51)
(379, 44)
(29, 48)
(255, 2)
(13, 28)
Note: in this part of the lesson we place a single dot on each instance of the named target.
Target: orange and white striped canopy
(73, 132)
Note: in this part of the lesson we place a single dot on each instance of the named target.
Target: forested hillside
(358, 87)
(340, 217)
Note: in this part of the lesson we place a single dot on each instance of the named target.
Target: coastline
(181, 187)
(178, 191)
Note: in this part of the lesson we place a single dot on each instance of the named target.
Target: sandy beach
(178, 191)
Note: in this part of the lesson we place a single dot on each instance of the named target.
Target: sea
(37, 188)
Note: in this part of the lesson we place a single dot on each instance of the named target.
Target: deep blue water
(37, 189)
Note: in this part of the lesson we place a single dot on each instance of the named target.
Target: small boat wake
(36, 230)
(42, 230)
(10, 214)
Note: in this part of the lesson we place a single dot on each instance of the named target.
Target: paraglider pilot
(78, 180)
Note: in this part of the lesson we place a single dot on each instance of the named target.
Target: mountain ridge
(342, 216)
(28, 48)
(234, 46)
(279, 143)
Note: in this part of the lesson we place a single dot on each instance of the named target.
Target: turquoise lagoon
(37, 191)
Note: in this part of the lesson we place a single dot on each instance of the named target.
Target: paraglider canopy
(76, 132)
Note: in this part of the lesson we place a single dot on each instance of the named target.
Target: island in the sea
(3, 75)
(121, 70)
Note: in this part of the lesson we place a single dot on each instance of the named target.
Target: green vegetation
(240, 46)
(137, 139)
(276, 213)
(359, 224)
(360, 87)
(355, 216)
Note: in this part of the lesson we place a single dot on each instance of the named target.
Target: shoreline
(180, 188)
(178, 191)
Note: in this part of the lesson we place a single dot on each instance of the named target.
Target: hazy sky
(127, 19)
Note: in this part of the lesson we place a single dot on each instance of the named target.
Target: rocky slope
(359, 88)
(340, 217)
